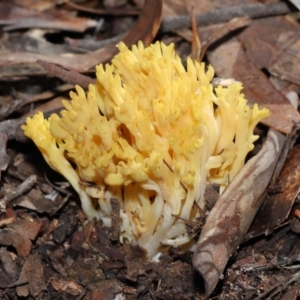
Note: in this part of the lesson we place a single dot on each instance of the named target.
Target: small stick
(71, 77)
(23, 188)
(222, 15)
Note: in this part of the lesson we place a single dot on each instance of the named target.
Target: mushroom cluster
(151, 133)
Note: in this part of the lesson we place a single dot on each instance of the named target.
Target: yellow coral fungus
(152, 134)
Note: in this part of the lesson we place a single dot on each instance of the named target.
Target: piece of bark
(278, 205)
(34, 273)
(230, 218)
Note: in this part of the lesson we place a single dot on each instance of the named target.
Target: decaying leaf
(230, 218)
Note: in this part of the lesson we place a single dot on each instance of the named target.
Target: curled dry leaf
(234, 211)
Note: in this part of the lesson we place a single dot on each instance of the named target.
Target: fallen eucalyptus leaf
(230, 218)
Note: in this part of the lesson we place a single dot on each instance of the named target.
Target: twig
(283, 285)
(93, 45)
(216, 16)
(71, 77)
(23, 188)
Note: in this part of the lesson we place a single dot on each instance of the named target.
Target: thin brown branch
(222, 15)
(71, 77)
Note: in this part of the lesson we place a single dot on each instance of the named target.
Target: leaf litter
(47, 247)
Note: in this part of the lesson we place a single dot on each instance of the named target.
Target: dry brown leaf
(276, 47)
(21, 18)
(221, 31)
(230, 61)
(144, 29)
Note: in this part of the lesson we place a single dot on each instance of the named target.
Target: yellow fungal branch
(153, 134)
